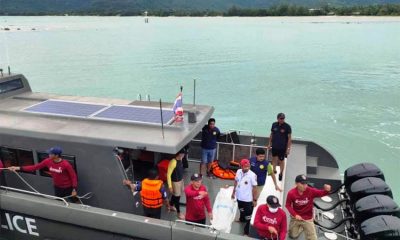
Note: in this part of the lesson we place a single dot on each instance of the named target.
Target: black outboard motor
(368, 186)
(380, 228)
(374, 205)
(359, 171)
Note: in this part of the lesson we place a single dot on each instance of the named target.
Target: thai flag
(177, 103)
(177, 108)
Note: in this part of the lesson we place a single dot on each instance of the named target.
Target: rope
(22, 179)
(85, 196)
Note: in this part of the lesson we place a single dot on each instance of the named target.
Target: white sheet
(224, 210)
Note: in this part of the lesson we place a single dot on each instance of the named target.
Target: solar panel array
(135, 114)
(65, 108)
(125, 113)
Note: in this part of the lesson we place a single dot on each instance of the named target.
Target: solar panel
(65, 108)
(100, 111)
(135, 114)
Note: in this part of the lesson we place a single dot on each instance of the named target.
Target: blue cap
(55, 151)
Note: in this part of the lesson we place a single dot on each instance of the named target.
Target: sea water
(337, 79)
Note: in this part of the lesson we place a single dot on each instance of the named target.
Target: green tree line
(293, 10)
(278, 10)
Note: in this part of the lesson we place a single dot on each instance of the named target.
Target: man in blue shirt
(261, 167)
(280, 141)
(209, 136)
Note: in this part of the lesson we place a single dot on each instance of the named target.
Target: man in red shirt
(64, 176)
(197, 200)
(270, 220)
(299, 203)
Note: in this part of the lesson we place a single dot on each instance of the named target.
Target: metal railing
(35, 193)
(234, 148)
(212, 229)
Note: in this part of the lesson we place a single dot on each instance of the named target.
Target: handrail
(195, 224)
(35, 193)
(240, 131)
(236, 144)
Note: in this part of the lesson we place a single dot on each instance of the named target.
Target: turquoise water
(337, 79)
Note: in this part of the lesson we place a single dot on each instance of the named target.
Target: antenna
(194, 92)
(162, 120)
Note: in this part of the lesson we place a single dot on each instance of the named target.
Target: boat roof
(15, 120)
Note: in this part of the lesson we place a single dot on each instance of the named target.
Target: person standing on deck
(270, 220)
(197, 200)
(64, 176)
(152, 193)
(209, 136)
(175, 181)
(261, 167)
(246, 192)
(280, 142)
(299, 203)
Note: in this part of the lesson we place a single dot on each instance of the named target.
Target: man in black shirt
(280, 141)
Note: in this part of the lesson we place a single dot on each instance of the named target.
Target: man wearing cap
(197, 200)
(261, 167)
(246, 192)
(175, 181)
(209, 136)
(299, 203)
(152, 194)
(270, 220)
(280, 142)
(64, 176)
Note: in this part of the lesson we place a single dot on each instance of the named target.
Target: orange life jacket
(150, 193)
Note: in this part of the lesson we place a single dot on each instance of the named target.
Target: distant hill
(137, 6)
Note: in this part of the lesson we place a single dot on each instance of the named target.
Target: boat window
(11, 85)
(43, 155)
(16, 157)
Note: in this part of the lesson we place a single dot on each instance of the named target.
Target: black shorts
(63, 192)
(280, 153)
(152, 212)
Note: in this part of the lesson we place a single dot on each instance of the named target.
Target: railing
(213, 230)
(139, 97)
(234, 148)
(240, 131)
(35, 193)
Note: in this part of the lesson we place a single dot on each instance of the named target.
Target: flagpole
(181, 95)
(194, 92)
(162, 120)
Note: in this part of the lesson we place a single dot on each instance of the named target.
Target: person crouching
(270, 220)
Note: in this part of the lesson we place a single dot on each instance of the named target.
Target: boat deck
(297, 166)
(297, 163)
